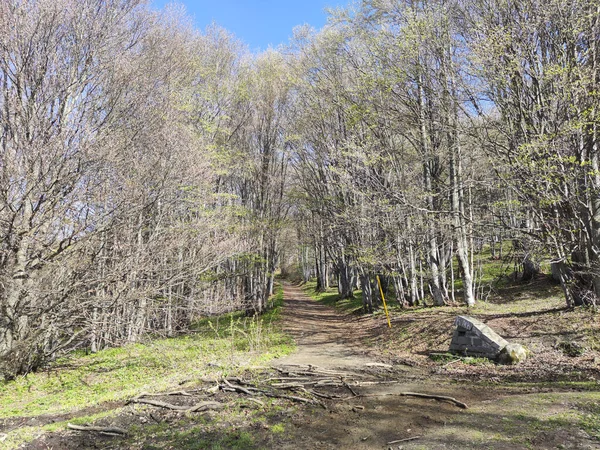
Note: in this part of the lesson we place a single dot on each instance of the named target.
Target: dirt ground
(357, 388)
(495, 418)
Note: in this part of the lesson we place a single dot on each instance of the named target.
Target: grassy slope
(330, 298)
(80, 387)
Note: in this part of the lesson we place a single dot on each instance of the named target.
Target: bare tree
(539, 65)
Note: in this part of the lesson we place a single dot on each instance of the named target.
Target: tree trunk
(367, 293)
(345, 281)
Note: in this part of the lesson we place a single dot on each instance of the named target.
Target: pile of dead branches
(308, 384)
(301, 384)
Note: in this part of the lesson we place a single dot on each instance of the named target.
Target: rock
(572, 349)
(474, 338)
(513, 354)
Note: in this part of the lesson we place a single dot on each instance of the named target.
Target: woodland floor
(344, 386)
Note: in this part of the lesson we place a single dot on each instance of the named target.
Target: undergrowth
(330, 297)
(78, 385)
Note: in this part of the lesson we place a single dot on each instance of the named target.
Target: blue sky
(258, 22)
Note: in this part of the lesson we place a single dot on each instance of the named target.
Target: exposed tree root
(202, 406)
(441, 398)
(103, 430)
(182, 393)
(237, 388)
(300, 381)
(349, 387)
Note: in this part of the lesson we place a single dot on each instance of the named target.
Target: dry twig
(405, 440)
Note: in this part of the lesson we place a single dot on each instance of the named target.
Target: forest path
(324, 337)
(372, 412)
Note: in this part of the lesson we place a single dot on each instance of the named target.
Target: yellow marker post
(384, 305)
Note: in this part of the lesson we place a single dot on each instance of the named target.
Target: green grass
(196, 437)
(79, 381)
(590, 418)
(445, 358)
(234, 427)
(331, 298)
(260, 333)
(278, 428)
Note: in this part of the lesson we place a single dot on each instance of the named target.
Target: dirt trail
(380, 418)
(324, 337)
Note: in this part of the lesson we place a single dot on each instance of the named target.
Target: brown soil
(369, 412)
(495, 415)
(323, 336)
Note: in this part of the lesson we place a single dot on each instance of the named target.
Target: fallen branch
(416, 394)
(105, 430)
(203, 406)
(405, 440)
(441, 398)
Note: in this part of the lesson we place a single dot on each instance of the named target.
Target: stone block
(464, 322)
(477, 342)
(476, 338)
(480, 350)
(454, 348)
(461, 340)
